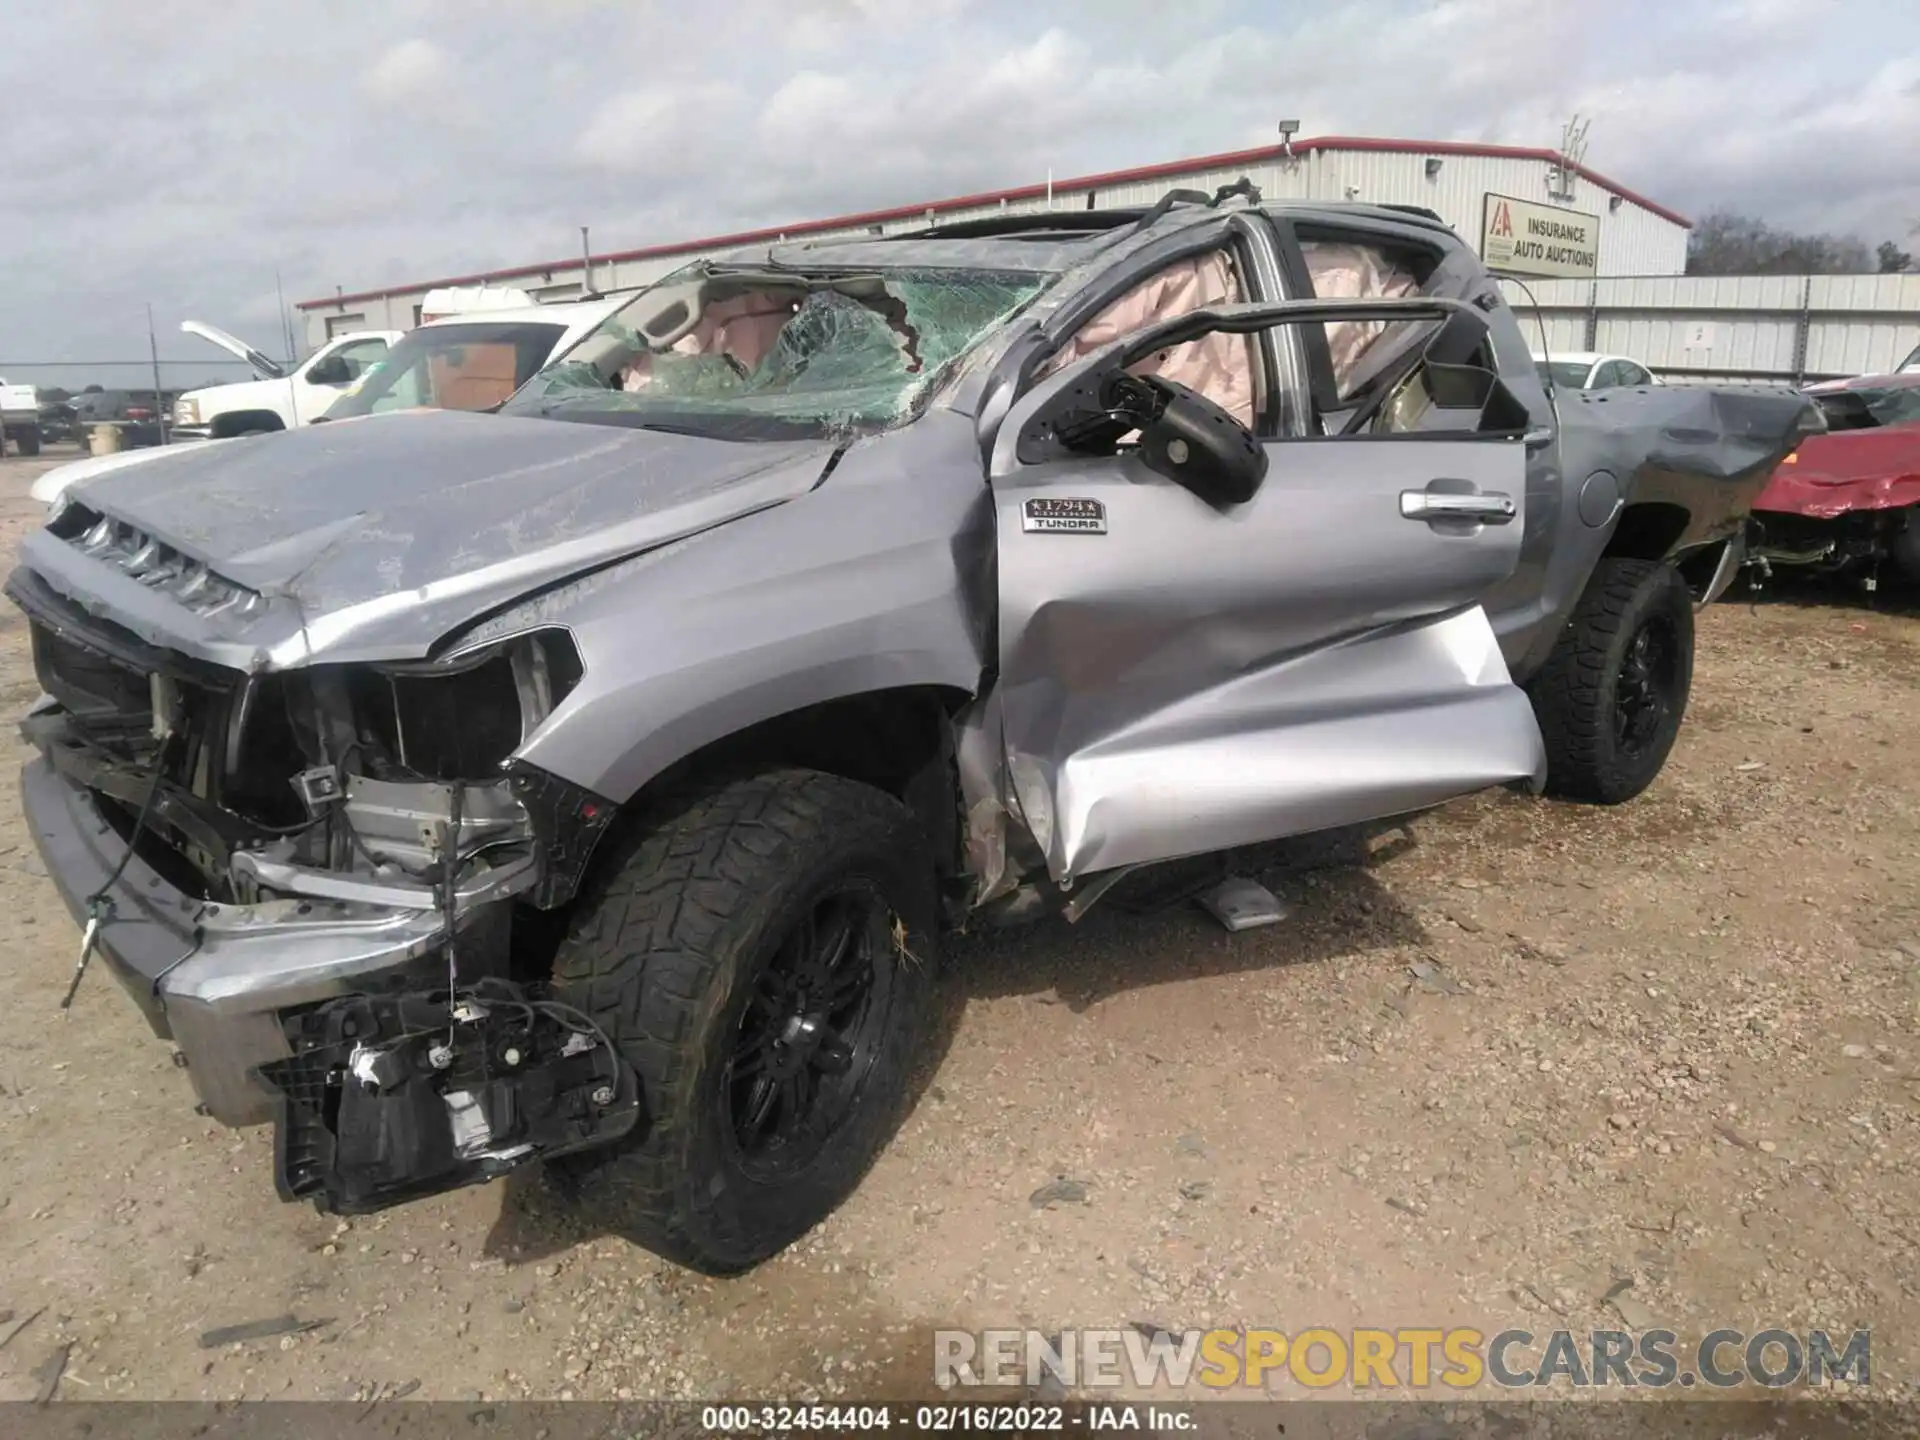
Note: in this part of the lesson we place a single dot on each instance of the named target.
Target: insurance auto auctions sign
(1528, 239)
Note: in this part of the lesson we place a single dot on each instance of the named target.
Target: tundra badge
(1063, 516)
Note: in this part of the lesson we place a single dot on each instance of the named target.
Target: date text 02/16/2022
(942, 1419)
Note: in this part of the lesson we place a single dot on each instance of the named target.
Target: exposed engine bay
(381, 802)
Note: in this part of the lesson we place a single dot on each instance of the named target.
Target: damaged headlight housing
(457, 718)
(463, 715)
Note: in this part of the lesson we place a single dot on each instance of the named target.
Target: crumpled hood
(373, 540)
(51, 484)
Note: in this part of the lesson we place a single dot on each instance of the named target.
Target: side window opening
(362, 354)
(1396, 377)
(1370, 357)
(1225, 368)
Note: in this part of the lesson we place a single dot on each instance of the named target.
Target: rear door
(1177, 678)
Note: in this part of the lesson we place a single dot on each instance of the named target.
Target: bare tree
(1725, 243)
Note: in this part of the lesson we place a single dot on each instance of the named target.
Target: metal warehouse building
(1583, 224)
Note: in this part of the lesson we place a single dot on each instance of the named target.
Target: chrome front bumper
(214, 978)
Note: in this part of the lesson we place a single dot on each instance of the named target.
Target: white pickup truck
(283, 399)
(19, 418)
(279, 399)
(469, 358)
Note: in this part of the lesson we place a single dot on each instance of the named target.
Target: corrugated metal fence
(1784, 328)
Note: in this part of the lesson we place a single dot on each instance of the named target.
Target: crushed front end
(309, 879)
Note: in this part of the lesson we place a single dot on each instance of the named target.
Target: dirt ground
(1514, 1055)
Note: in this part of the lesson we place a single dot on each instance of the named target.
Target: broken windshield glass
(762, 352)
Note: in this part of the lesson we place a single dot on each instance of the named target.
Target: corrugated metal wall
(1633, 240)
(1762, 327)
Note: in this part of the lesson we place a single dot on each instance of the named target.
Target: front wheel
(1904, 550)
(762, 955)
(1611, 696)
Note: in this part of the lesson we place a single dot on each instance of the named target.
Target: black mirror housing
(1188, 439)
(330, 371)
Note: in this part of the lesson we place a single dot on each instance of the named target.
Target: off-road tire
(1576, 693)
(27, 442)
(664, 951)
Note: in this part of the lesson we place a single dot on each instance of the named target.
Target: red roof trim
(1264, 154)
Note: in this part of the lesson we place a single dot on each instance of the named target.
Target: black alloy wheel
(813, 1023)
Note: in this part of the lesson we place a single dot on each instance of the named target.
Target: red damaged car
(1850, 498)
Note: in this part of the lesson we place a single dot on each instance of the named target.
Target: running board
(1242, 904)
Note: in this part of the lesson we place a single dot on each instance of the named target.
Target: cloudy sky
(181, 153)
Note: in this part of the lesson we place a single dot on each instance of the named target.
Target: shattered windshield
(752, 353)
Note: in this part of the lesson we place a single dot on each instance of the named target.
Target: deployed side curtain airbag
(1342, 271)
(1219, 366)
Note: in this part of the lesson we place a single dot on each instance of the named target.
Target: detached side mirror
(1186, 438)
(333, 370)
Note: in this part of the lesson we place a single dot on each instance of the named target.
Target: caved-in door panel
(1192, 679)
(1392, 723)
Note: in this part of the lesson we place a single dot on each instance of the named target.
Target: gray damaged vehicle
(593, 781)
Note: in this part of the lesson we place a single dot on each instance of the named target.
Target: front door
(332, 372)
(1177, 678)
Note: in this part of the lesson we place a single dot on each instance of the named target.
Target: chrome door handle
(1488, 509)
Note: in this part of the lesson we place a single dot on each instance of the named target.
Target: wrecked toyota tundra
(593, 781)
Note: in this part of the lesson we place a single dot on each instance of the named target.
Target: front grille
(87, 682)
(156, 565)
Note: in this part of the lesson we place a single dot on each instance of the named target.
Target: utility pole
(160, 406)
(586, 265)
(286, 320)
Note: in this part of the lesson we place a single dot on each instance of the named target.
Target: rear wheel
(28, 443)
(762, 955)
(1611, 697)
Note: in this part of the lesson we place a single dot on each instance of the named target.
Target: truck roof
(1055, 240)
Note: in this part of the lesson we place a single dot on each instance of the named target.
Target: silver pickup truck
(593, 781)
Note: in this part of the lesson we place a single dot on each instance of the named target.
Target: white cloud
(813, 105)
(663, 131)
(410, 68)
